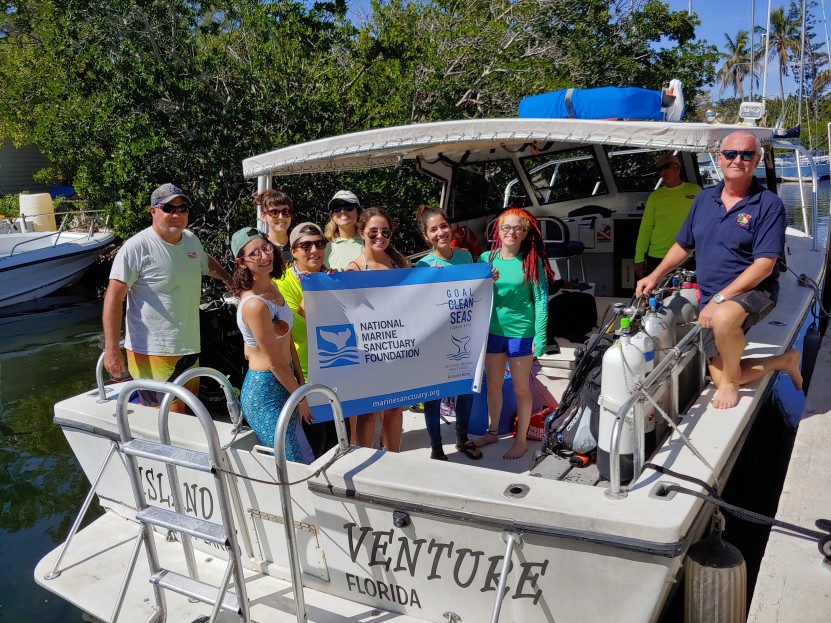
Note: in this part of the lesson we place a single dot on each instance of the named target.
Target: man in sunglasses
(664, 213)
(737, 229)
(159, 271)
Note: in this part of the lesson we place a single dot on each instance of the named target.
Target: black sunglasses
(384, 233)
(342, 207)
(730, 154)
(664, 167)
(169, 209)
(279, 213)
(308, 244)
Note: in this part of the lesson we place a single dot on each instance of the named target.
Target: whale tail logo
(337, 346)
(462, 350)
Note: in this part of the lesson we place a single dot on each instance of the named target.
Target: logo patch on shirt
(743, 219)
(192, 255)
(690, 196)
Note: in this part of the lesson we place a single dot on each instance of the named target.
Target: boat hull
(27, 275)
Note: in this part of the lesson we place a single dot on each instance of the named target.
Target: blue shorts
(514, 346)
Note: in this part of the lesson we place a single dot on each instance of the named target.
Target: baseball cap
(344, 196)
(298, 232)
(165, 194)
(242, 237)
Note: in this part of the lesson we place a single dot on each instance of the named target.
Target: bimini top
(472, 140)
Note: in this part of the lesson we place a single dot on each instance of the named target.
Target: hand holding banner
(391, 338)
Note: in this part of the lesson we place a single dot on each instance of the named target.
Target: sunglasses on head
(169, 209)
(730, 154)
(664, 167)
(342, 207)
(279, 212)
(308, 244)
(374, 233)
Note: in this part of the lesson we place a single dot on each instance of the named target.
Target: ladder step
(192, 526)
(172, 455)
(194, 589)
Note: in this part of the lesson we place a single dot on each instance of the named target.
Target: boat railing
(283, 477)
(64, 226)
(814, 230)
(675, 359)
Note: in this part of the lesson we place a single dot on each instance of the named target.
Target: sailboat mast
(752, 38)
(801, 68)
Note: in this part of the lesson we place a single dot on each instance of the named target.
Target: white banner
(392, 338)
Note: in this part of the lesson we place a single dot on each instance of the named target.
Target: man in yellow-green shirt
(665, 211)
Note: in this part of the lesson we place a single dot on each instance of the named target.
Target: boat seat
(559, 246)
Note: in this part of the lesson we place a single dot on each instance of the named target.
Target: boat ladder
(175, 520)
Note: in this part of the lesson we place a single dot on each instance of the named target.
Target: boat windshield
(565, 175)
(484, 188)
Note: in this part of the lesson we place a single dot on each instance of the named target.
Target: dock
(794, 581)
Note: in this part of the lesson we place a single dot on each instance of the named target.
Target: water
(50, 355)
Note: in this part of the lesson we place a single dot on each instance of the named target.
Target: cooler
(479, 411)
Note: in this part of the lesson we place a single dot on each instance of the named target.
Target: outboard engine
(623, 362)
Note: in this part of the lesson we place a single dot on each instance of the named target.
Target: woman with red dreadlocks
(517, 331)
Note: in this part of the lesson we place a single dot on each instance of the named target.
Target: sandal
(490, 436)
(470, 450)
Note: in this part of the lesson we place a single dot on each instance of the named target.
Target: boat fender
(715, 577)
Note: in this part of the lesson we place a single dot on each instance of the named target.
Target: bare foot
(516, 450)
(792, 360)
(727, 395)
(488, 438)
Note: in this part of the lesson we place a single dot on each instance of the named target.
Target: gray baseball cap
(304, 229)
(165, 194)
(242, 237)
(344, 196)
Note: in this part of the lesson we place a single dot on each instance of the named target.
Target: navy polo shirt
(727, 242)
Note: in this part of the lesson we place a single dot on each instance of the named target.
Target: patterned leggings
(262, 398)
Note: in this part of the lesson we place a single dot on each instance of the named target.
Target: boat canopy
(471, 140)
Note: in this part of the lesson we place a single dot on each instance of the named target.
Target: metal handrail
(283, 478)
(814, 209)
(672, 356)
(512, 540)
(217, 458)
(57, 233)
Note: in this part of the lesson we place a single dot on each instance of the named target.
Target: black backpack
(571, 315)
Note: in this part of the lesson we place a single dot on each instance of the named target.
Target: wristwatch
(718, 298)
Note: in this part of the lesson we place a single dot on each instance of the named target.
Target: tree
(736, 66)
(783, 41)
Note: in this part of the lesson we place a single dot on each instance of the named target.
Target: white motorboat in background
(35, 263)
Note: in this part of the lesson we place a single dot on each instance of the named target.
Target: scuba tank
(689, 288)
(684, 306)
(623, 362)
(659, 323)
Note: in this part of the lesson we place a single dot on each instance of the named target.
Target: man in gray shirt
(159, 271)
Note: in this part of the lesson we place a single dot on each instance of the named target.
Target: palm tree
(783, 40)
(736, 65)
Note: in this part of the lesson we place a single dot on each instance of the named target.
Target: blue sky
(720, 16)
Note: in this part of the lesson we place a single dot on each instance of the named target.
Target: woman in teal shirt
(517, 331)
(433, 225)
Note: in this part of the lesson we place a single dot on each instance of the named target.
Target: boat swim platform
(794, 582)
(94, 587)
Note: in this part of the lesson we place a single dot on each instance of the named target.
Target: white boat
(368, 535)
(787, 169)
(35, 263)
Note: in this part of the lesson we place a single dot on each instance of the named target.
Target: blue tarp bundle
(600, 103)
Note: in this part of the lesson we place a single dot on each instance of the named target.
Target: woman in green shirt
(517, 331)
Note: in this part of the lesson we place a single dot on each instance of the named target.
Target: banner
(392, 338)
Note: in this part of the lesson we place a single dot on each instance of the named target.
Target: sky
(719, 17)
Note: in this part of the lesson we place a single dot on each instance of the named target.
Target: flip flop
(470, 450)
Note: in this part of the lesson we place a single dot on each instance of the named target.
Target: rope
(314, 474)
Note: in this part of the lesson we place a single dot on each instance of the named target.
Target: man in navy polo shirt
(737, 230)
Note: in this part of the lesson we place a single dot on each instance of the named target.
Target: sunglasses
(279, 213)
(169, 209)
(256, 254)
(342, 207)
(730, 154)
(664, 167)
(308, 244)
(374, 233)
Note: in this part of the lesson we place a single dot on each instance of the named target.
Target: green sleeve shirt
(663, 215)
(460, 256)
(519, 309)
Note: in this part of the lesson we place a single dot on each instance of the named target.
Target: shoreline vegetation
(121, 97)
